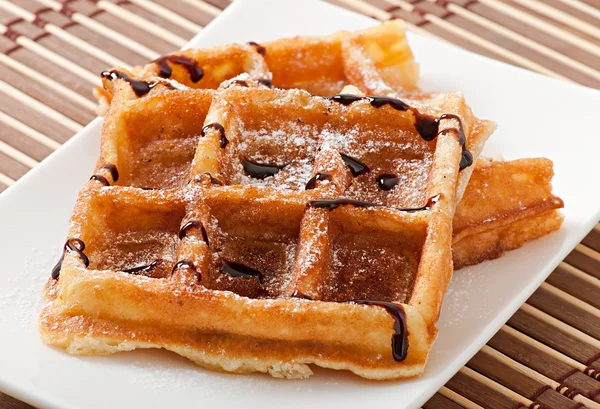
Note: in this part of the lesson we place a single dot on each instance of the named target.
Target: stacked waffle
(266, 207)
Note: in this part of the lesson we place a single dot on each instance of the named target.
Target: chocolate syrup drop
(140, 88)
(466, 159)
(189, 264)
(395, 103)
(56, 269)
(426, 125)
(400, 338)
(204, 235)
(377, 102)
(266, 82)
(113, 171)
(259, 170)
(192, 67)
(220, 129)
(312, 183)
(345, 99)
(356, 167)
(240, 270)
(387, 181)
(432, 200)
(140, 270)
(194, 224)
(76, 245)
(215, 181)
(240, 82)
(100, 179)
(259, 48)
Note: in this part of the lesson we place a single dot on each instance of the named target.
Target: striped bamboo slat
(548, 354)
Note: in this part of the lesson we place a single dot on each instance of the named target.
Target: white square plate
(538, 116)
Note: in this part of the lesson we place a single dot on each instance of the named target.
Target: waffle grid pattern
(546, 355)
(228, 154)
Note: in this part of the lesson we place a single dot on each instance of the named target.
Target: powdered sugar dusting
(25, 290)
(293, 147)
(457, 307)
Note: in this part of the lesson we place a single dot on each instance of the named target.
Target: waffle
(250, 222)
(505, 205)
(244, 217)
(376, 60)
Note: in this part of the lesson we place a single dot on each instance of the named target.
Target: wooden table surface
(546, 357)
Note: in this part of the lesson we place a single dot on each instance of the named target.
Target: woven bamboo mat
(546, 357)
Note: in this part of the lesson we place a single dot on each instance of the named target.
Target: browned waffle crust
(377, 60)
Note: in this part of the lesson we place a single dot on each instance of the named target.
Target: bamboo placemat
(546, 357)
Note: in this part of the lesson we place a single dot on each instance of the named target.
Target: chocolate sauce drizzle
(240, 270)
(426, 125)
(194, 224)
(240, 82)
(215, 181)
(357, 168)
(266, 82)
(345, 99)
(140, 88)
(259, 48)
(259, 170)
(189, 264)
(331, 204)
(114, 173)
(466, 157)
(76, 245)
(395, 103)
(192, 67)
(140, 270)
(218, 127)
(312, 183)
(400, 338)
(387, 181)
(100, 179)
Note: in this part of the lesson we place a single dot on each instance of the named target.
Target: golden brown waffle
(250, 228)
(505, 205)
(252, 235)
(373, 59)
